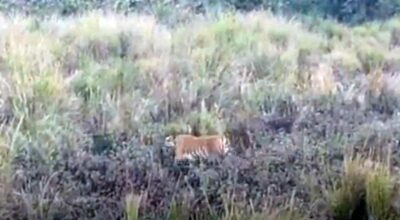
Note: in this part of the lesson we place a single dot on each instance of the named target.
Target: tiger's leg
(194, 155)
(221, 148)
(226, 149)
(202, 152)
(189, 156)
(178, 157)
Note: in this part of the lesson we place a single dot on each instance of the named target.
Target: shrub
(204, 122)
(371, 59)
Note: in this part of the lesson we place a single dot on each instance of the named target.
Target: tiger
(189, 146)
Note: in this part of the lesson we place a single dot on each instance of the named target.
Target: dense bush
(349, 11)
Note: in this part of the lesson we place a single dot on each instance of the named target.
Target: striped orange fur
(189, 146)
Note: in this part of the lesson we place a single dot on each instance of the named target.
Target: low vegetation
(311, 110)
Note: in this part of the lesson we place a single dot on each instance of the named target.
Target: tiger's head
(169, 141)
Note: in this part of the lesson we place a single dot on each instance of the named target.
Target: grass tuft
(366, 189)
(379, 191)
(132, 204)
(346, 198)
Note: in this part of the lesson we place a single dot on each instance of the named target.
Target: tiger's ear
(169, 141)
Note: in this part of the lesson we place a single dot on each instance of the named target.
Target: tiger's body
(189, 146)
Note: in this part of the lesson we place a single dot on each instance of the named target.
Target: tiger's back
(189, 147)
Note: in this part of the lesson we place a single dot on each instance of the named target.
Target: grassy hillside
(311, 110)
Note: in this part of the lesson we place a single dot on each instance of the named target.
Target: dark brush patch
(258, 178)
